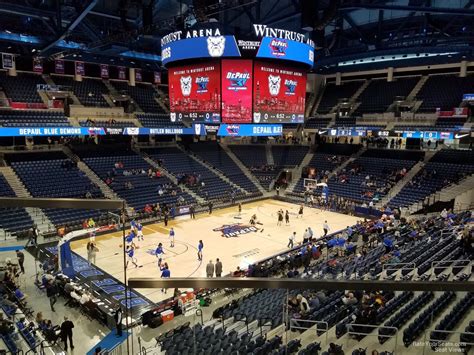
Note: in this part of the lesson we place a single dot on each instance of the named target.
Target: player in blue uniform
(129, 238)
(139, 231)
(131, 255)
(200, 247)
(171, 237)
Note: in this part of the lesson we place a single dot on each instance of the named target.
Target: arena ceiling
(102, 30)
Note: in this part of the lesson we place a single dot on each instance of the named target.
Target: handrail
(199, 314)
(393, 335)
(294, 284)
(315, 322)
(244, 316)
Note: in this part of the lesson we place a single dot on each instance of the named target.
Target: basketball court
(225, 235)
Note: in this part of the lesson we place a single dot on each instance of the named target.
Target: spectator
(21, 259)
(52, 292)
(218, 268)
(210, 269)
(118, 320)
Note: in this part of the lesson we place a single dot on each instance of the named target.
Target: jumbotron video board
(195, 92)
(260, 79)
(279, 94)
(237, 78)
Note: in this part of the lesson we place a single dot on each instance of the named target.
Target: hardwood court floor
(240, 250)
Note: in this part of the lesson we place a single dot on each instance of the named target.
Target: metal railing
(312, 323)
(394, 333)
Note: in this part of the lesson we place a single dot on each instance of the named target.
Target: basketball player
(200, 247)
(129, 239)
(171, 237)
(300, 212)
(287, 217)
(159, 251)
(130, 255)
(240, 208)
(139, 231)
(280, 217)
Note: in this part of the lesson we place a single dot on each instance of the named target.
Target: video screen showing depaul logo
(279, 94)
(237, 91)
(195, 93)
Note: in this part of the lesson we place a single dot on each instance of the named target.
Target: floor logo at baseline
(234, 230)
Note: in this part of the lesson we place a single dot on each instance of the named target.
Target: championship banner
(138, 74)
(38, 65)
(59, 66)
(104, 71)
(157, 77)
(80, 70)
(121, 73)
(8, 61)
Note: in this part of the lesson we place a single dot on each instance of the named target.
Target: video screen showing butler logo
(195, 92)
(265, 42)
(279, 94)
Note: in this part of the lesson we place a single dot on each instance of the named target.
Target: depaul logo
(237, 80)
(278, 47)
(290, 86)
(233, 129)
(202, 82)
(234, 230)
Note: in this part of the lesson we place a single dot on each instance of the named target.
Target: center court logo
(237, 80)
(235, 230)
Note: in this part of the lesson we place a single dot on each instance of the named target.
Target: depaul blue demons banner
(278, 48)
(250, 130)
(50, 131)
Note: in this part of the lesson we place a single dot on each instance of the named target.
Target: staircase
(296, 172)
(446, 194)
(106, 190)
(354, 97)
(244, 169)
(210, 168)
(161, 96)
(400, 184)
(348, 161)
(47, 79)
(37, 215)
(269, 155)
(412, 95)
(170, 176)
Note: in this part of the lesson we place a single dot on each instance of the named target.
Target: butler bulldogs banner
(197, 129)
(250, 130)
(8, 61)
